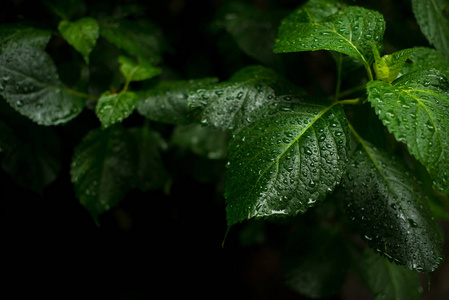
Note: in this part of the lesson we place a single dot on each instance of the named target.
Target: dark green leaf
(14, 37)
(137, 71)
(81, 34)
(30, 84)
(103, 168)
(426, 59)
(350, 30)
(240, 100)
(139, 38)
(432, 17)
(388, 281)
(204, 141)
(167, 101)
(113, 108)
(254, 31)
(33, 160)
(281, 165)
(66, 9)
(389, 209)
(151, 172)
(415, 108)
(319, 269)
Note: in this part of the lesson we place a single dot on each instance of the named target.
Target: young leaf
(389, 209)
(388, 281)
(415, 108)
(283, 164)
(433, 19)
(389, 66)
(151, 172)
(30, 84)
(240, 100)
(137, 71)
(103, 168)
(166, 102)
(13, 37)
(351, 30)
(113, 108)
(81, 34)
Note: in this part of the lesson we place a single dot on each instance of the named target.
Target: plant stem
(350, 101)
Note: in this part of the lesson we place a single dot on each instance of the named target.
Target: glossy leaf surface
(241, 100)
(389, 209)
(433, 20)
(281, 165)
(427, 58)
(81, 34)
(350, 31)
(388, 281)
(103, 168)
(13, 37)
(415, 108)
(389, 66)
(30, 84)
(167, 101)
(113, 108)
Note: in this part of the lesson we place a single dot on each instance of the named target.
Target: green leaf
(138, 38)
(113, 108)
(388, 281)
(151, 172)
(30, 84)
(389, 66)
(33, 160)
(240, 100)
(415, 108)
(103, 168)
(14, 37)
(389, 209)
(81, 34)
(205, 141)
(137, 71)
(426, 59)
(350, 30)
(318, 270)
(254, 31)
(66, 9)
(166, 102)
(282, 164)
(433, 20)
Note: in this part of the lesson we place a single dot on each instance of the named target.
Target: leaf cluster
(362, 150)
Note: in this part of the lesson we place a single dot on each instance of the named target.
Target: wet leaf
(351, 30)
(113, 108)
(103, 168)
(433, 20)
(240, 100)
(389, 209)
(415, 108)
(282, 164)
(425, 59)
(388, 281)
(15, 36)
(388, 67)
(30, 84)
(167, 101)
